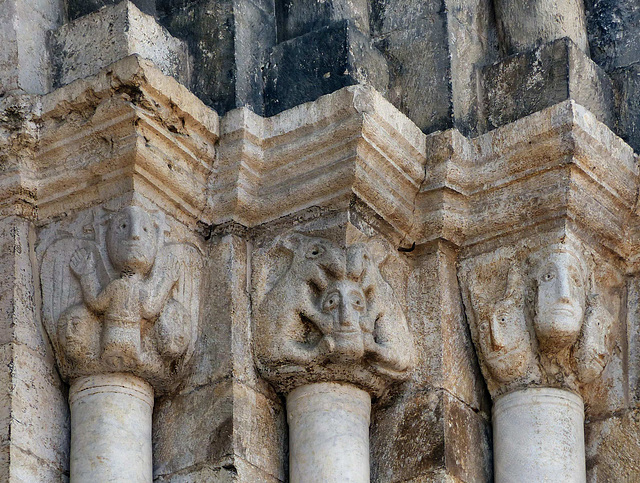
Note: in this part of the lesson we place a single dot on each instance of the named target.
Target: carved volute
(548, 328)
(122, 299)
(326, 314)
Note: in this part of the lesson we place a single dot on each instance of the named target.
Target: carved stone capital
(325, 314)
(119, 297)
(548, 327)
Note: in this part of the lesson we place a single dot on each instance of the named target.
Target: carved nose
(348, 316)
(564, 288)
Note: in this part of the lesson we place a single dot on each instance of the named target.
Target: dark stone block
(614, 32)
(526, 83)
(627, 82)
(229, 42)
(419, 62)
(320, 62)
(299, 17)
(78, 8)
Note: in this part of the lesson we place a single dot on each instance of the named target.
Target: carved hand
(82, 262)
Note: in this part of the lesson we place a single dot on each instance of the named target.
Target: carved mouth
(563, 311)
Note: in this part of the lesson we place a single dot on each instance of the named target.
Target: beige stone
(117, 31)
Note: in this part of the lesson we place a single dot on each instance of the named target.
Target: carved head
(559, 278)
(326, 313)
(132, 240)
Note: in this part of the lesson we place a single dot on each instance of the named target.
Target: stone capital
(325, 314)
(548, 325)
(118, 297)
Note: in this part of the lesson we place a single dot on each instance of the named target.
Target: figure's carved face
(560, 303)
(344, 304)
(132, 240)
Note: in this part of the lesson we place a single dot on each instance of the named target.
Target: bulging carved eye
(315, 251)
(123, 226)
(331, 302)
(548, 277)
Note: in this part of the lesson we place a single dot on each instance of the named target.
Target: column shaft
(111, 429)
(538, 436)
(328, 433)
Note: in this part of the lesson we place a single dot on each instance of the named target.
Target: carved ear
(515, 284)
(290, 242)
(379, 250)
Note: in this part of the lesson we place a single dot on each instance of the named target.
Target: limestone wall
(370, 223)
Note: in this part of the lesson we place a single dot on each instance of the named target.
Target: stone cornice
(557, 166)
(346, 145)
(129, 128)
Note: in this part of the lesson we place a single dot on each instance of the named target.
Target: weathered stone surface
(627, 83)
(525, 26)
(613, 448)
(219, 424)
(24, 56)
(78, 8)
(325, 314)
(229, 42)
(301, 69)
(425, 436)
(525, 83)
(613, 32)
(299, 17)
(432, 49)
(123, 300)
(116, 32)
(549, 327)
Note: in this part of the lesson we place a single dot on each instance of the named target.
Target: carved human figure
(548, 322)
(325, 305)
(128, 316)
(137, 294)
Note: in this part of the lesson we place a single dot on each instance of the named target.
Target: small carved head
(559, 279)
(132, 240)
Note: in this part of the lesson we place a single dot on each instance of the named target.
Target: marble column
(538, 435)
(111, 429)
(328, 433)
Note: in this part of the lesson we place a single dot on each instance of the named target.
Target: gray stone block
(116, 32)
(229, 41)
(78, 8)
(627, 82)
(526, 83)
(320, 62)
(614, 32)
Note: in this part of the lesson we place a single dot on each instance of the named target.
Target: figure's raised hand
(82, 262)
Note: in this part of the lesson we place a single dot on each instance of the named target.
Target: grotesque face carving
(560, 300)
(132, 240)
(345, 304)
